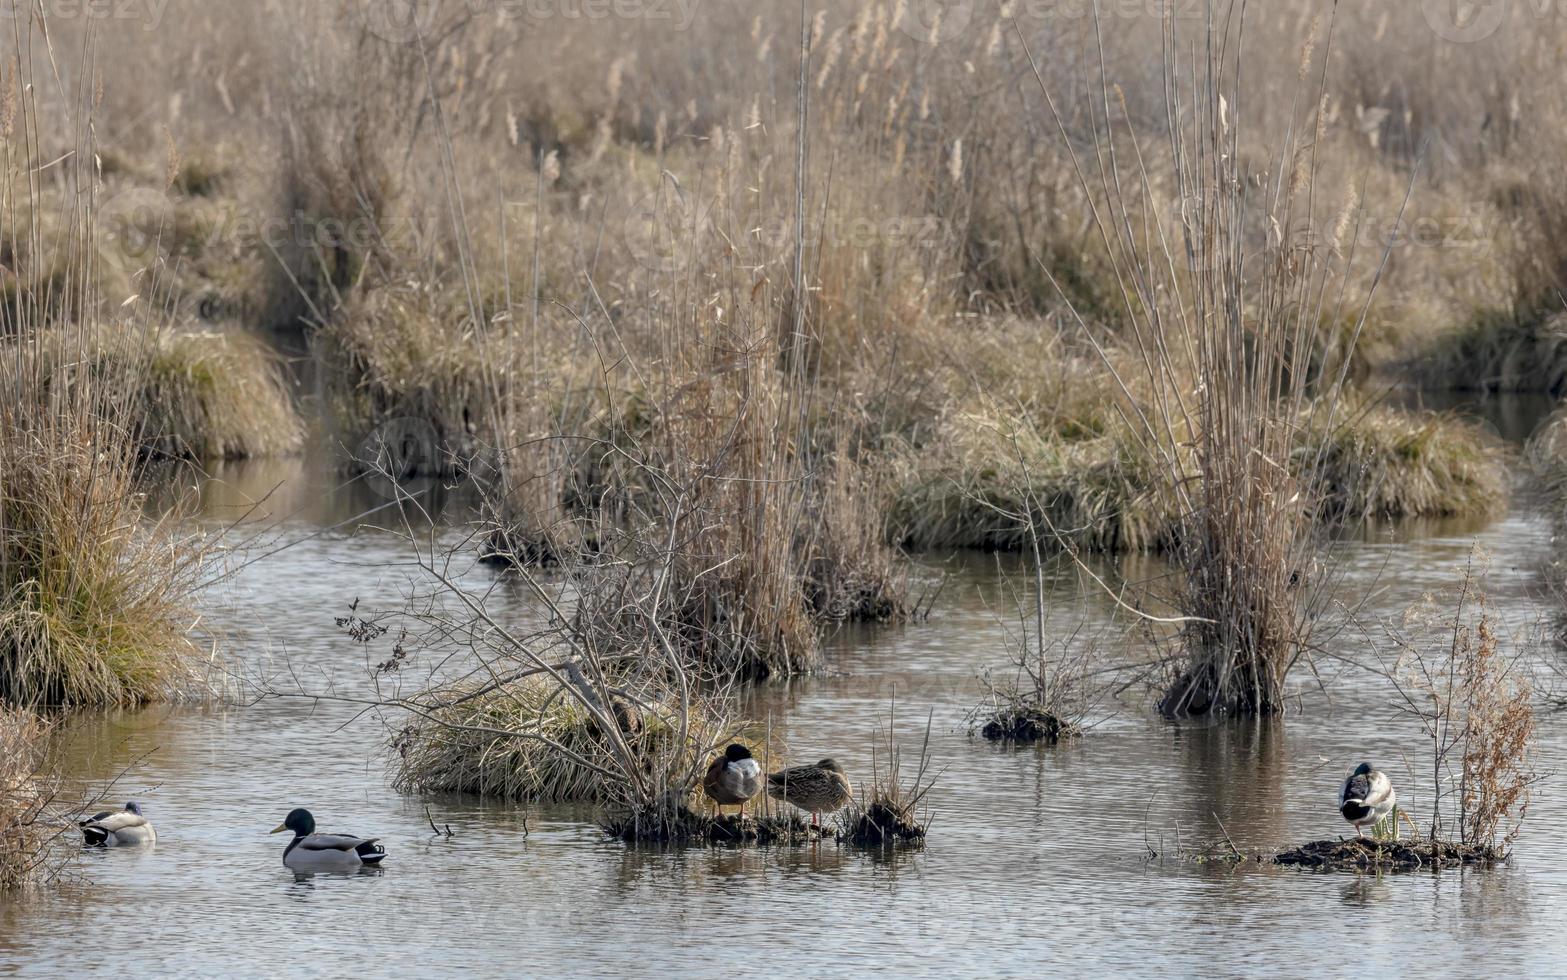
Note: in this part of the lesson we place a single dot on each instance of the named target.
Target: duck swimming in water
(310, 851)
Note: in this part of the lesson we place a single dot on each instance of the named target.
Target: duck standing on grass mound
(310, 851)
(733, 778)
(127, 826)
(1367, 797)
(819, 789)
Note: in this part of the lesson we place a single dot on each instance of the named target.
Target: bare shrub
(1465, 683)
(28, 830)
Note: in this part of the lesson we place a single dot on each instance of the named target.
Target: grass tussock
(530, 740)
(216, 395)
(1386, 463)
(892, 812)
(27, 835)
(93, 596)
(984, 479)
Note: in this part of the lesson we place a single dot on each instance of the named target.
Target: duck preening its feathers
(1367, 797)
(733, 778)
(127, 826)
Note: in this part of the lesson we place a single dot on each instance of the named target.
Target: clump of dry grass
(93, 593)
(216, 395)
(27, 836)
(1387, 463)
(890, 813)
(406, 353)
(533, 740)
(983, 479)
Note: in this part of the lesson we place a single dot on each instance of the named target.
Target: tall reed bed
(93, 595)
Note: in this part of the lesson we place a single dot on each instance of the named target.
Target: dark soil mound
(1028, 724)
(1365, 854)
(883, 825)
(685, 826)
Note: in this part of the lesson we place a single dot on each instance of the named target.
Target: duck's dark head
(829, 765)
(1364, 769)
(133, 807)
(736, 752)
(299, 821)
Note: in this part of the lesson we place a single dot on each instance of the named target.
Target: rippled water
(1037, 858)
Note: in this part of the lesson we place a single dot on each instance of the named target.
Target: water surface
(1038, 858)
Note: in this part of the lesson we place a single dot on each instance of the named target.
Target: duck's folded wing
(334, 842)
(1378, 790)
(1355, 788)
(113, 821)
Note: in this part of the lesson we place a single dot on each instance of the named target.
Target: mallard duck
(1367, 797)
(310, 851)
(818, 789)
(127, 826)
(733, 778)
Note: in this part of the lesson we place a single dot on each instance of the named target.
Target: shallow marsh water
(1037, 858)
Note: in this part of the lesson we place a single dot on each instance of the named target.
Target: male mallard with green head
(127, 826)
(733, 778)
(1366, 798)
(822, 788)
(310, 851)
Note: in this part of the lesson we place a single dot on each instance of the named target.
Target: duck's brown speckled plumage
(821, 788)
